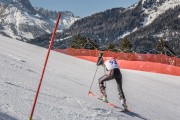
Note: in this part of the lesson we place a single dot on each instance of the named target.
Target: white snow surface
(65, 86)
(155, 11)
(127, 33)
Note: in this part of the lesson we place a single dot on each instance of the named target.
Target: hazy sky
(82, 8)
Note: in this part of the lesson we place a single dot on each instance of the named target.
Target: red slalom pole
(47, 56)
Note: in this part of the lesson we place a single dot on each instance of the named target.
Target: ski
(109, 103)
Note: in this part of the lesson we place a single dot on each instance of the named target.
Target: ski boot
(103, 95)
(123, 102)
(103, 98)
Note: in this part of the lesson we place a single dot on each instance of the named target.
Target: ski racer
(114, 73)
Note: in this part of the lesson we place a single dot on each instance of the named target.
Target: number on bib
(113, 62)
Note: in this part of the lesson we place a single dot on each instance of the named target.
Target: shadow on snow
(4, 116)
(130, 113)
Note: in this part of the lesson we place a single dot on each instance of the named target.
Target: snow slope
(63, 95)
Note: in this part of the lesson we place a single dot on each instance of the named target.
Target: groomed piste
(64, 90)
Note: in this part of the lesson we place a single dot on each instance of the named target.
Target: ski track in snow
(65, 86)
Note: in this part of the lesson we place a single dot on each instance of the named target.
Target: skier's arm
(100, 61)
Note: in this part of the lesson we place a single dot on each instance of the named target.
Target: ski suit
(114, 73)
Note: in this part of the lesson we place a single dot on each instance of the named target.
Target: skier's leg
(121, 93)
(102, 80)
(103, 95)
(120, 90)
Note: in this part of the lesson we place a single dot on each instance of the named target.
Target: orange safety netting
(145, 62)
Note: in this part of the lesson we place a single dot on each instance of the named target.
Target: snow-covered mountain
(146, 20)
(150, 10)
(20, 20)
(117, 23)
(160, 21)
(153, 8)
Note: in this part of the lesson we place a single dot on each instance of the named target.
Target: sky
(82, 8)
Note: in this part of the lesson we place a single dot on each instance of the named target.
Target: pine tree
(83, 42)
(111, 47)
(160, 46)
(78, 42)
(164, 48)
(126, 46)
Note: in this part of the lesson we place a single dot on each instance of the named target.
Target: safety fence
(156, 58)
(157, 63)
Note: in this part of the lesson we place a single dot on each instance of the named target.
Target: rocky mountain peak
(20, 20)
(26, 5)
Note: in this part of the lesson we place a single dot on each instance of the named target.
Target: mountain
(20, 20)
(166, 26)
(64, 89)
(111, 25)
(144, 23)
(153, 8)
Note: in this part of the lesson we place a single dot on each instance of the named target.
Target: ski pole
(93, 80)
(105, 74)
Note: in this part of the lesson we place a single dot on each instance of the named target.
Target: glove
(101, 54)
(100, 61)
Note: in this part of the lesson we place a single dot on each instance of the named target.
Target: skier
(114, 73)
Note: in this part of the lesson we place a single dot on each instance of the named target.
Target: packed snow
(65, 86)
(127, 33)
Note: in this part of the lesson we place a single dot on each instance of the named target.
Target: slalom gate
(157, 63)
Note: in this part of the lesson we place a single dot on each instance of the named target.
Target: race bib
(111, 64)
